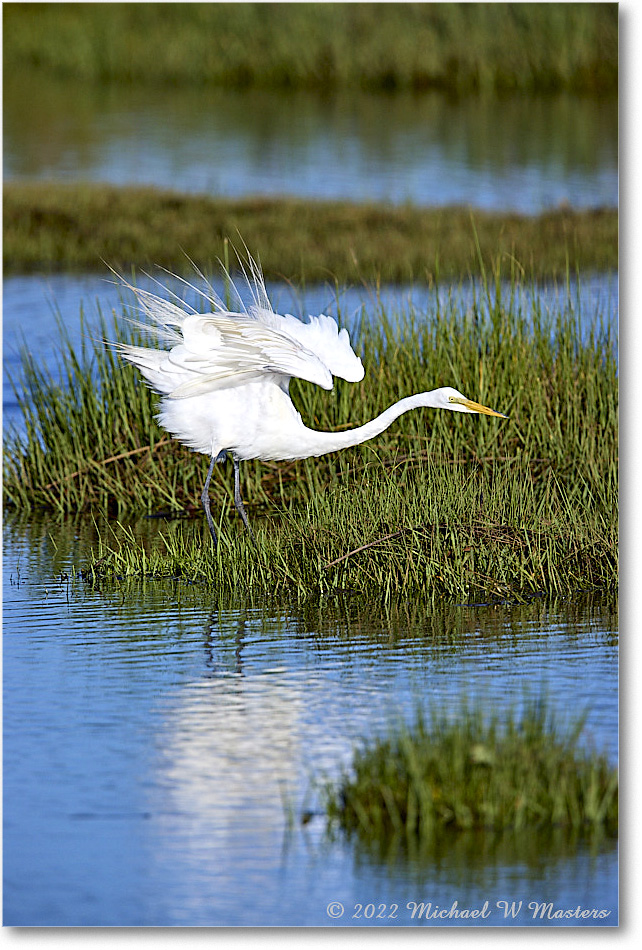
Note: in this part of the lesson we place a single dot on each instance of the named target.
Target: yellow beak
(477, 407)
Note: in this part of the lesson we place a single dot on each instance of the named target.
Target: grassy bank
(411, 528)
(472, 772)
(439, 504)
(51, 226)
(458, 47)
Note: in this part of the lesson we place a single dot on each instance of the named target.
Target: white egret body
(224, 380)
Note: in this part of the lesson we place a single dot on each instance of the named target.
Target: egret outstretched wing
(320, 335)
(222, 350)
(218, 351)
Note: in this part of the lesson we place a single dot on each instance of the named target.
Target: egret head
(449, 398)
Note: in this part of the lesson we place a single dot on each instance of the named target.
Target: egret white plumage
(224, 378)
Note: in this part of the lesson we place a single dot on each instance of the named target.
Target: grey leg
(238, 501)
(205, 500)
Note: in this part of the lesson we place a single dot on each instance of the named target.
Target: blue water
(518, 153)
(156, 746)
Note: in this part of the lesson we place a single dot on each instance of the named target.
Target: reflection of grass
(475, 772)
(59, 226)
(478, 857)
(438, 504)
(459, 47)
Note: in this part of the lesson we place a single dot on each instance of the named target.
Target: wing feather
(221, 349)
(322, 336)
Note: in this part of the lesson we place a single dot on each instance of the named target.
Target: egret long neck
(321, 442)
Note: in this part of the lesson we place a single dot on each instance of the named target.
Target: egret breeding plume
(224, 378)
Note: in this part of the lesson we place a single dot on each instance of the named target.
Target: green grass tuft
(471, 772)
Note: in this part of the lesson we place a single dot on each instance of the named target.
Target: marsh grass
(440, 504)
(57, 226)
(474, 771)
(441, 531)
(453, 46)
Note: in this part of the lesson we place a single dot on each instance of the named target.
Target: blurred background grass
(459, 47)
(462, 49)
(60, 226)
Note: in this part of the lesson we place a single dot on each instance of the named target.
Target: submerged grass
(57, 226)
(460, 47)
(438, 505)
(474, 771)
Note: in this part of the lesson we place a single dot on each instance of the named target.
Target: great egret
(225, 378)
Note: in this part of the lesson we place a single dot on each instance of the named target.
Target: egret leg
(205, 500)
(238, 501)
